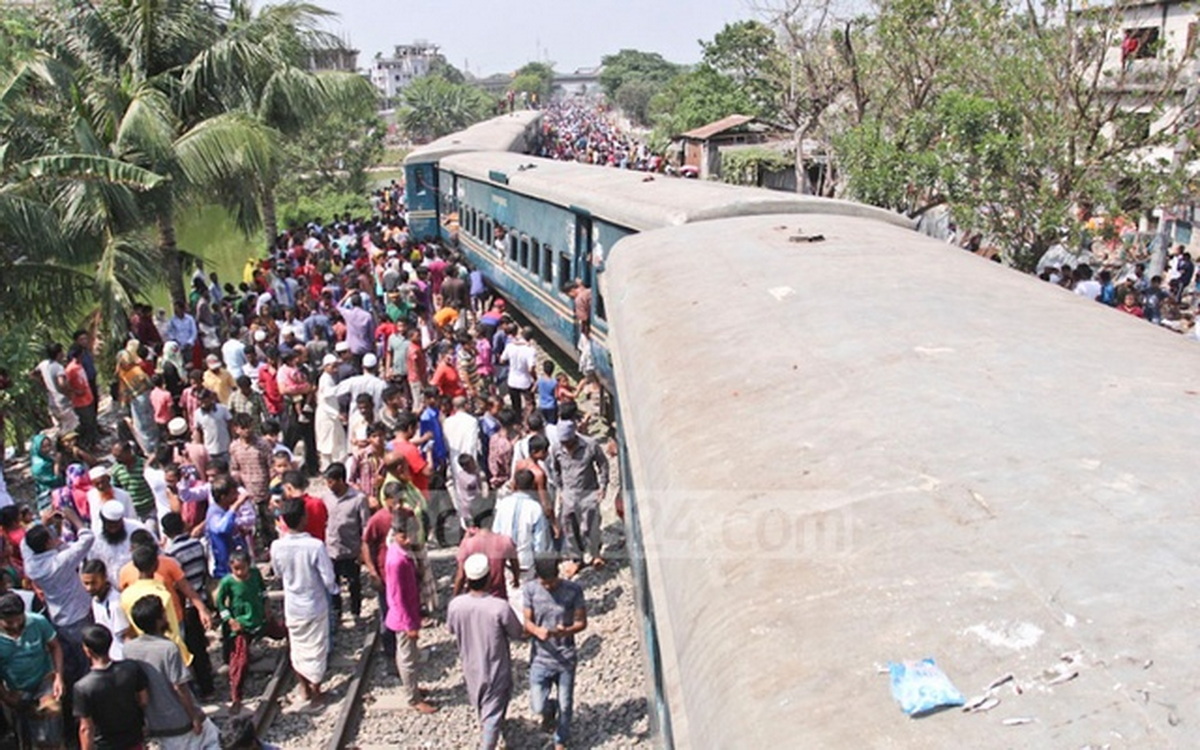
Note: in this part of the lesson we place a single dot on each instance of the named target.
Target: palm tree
(282, 96)
(434, 107)
(68, 214)
(135, 104)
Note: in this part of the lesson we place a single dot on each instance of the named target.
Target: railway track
(332, 724)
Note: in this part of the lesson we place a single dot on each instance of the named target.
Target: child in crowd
(242, 605)
(547, 390)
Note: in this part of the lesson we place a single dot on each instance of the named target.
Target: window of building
(1141, 44)
(1134, 126)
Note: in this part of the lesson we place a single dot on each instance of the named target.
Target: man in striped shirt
(193, 560)
(128, 473)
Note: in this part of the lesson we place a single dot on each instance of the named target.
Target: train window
(547, 264)
(524, 258)
(487, 229)
(512, 247)
(600, 314)
(535, 257)
(564, 271)
(467, 223)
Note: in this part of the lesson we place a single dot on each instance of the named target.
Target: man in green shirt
(31, 671)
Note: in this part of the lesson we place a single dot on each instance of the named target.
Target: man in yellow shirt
(219, 380)
(145, 559)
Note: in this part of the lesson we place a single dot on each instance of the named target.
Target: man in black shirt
(110, 698)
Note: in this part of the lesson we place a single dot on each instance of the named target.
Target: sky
(499, 36)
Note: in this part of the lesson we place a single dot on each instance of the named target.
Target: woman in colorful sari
(74, 495)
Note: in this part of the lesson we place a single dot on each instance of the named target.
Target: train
(534, 226)
(846, 446)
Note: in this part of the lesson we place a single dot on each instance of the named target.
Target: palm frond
(228, 146)
(148, 128)
(87, 167)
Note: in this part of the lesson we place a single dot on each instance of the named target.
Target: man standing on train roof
(483, 625)
(579, 470)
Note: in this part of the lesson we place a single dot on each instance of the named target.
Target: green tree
(1021, 147)
(749, 53)
(150, 75)
(697, 98)
(634, 99)
(335, 153)
(442, 69)
(534, 78)
(634, 65)
(70, 244)
(434, 107)
(289, 99)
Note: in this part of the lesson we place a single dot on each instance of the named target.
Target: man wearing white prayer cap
(483, 625)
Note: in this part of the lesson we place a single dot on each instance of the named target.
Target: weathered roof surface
(504, 133)
(640, 201)
(704, 132)
(877, 447)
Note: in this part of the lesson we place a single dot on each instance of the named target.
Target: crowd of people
(1163, 301)
(353, 353)
(585, 133)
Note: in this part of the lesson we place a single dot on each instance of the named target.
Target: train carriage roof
(877, 447)
(641, 201)
(504, 133)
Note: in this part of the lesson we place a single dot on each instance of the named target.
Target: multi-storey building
(391, 75)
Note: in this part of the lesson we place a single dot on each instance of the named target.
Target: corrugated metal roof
(704, 132)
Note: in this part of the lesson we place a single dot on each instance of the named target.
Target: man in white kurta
(304, 567)
(330, 430)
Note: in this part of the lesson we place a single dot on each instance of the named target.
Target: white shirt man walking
(304, 567)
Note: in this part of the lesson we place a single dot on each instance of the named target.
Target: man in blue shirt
(220, 525)
(430, 431)
(554, 613)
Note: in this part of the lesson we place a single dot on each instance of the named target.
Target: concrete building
(341, 58)
(583, 82)
(1156, 49)
(391, 75)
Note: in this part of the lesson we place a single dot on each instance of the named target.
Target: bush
(324, 205)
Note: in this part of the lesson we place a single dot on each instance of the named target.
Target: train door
(583, 248)
(421, 196)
